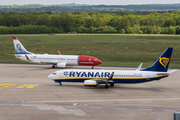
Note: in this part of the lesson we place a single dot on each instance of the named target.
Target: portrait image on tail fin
(18, 48)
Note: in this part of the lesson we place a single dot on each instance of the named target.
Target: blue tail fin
(162, 63)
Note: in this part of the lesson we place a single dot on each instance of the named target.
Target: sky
(90, 2)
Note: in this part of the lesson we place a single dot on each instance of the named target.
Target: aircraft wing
(102, 80)
(105, 80)
(59, 64)
(95, 82)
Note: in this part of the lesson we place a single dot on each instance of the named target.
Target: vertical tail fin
(19, 48)
(162, 62)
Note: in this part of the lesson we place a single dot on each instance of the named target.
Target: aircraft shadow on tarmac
(41, 67)
(74, 85)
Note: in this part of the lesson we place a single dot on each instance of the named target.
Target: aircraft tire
(106, 86)
(53, 66)
(111, 84)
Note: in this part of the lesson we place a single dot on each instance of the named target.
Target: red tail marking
(27, 57)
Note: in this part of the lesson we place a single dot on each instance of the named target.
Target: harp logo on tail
(164, 61)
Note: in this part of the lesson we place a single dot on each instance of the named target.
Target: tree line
(88, 8)
(90, 22)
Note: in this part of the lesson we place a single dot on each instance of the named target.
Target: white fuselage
(51, 59)
(120, 76)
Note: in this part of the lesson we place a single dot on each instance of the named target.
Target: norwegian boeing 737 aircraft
(56, 60)
(96, 77)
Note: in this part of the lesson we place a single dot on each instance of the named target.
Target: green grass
(112, 49)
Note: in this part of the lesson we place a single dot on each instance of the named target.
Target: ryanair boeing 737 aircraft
(110, 77)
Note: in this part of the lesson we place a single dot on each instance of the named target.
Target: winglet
(58, 52)
(139, 67)
(111, 76)
(27, 57)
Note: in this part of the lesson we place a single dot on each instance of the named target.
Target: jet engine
(90, 83)
(62, 65)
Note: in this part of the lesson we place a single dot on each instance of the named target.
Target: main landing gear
(111, 84)
(53, 66)
(107, 86)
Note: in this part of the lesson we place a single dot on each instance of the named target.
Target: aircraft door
(59, 59)
(64, 74)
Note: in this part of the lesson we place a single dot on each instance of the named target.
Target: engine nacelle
(90, 83)
(61, 65)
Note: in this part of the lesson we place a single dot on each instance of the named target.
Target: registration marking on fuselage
(26, 86)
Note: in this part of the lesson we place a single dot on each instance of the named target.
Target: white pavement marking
(71, 106)
(145, 109)
(59, 109)
(96, 107)
(108, 106)
(170, 110)
(75, 104)
(107, 100)
(76, 112)
(120, 108)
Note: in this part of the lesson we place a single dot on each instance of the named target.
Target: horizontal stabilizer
(172, 71)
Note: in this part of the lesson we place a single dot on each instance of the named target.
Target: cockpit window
(95, 59)
(54, 73)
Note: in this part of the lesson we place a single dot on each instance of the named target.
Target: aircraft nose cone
(99, 62)
(50, 76)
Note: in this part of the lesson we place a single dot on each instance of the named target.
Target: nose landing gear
(53, 66)
(106, 86)
(60, 84)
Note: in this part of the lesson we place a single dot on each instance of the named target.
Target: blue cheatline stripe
(24, 53)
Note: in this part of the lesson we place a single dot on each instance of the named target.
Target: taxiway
(26, 93)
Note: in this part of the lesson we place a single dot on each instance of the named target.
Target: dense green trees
(88, 22)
